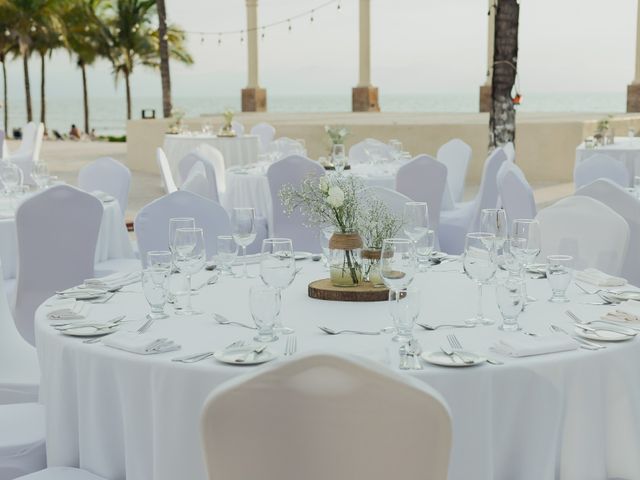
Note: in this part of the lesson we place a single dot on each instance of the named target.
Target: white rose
(335, 197)
(324, 184)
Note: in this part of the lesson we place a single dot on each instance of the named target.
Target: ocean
(108, 115)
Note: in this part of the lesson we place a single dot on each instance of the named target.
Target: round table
(572, 415)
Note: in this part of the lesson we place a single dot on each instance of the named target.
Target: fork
(146, 326)
(291, 346)
(457, 348)
(586, 344)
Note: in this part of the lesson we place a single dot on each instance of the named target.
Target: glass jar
(371, 266)
(345, 263)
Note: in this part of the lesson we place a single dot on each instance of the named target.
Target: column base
(633, 98)
(364, 99)
(485, 98)
(254, 100)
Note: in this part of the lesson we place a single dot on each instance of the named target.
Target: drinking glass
(494, 220)
(559, 274)
(424, 249)
(416, 220)
(11, 176)
(264, 303)
(227, 253)
(396, 147)
(339, 157)
(40, 174)
(176, 223)
(155, 284)
(278, 269)
(397, 263)
(159, 259)
(325, 237)
(479, 265)
(243, 221)
(404, 307)
(529, 231)
(189, 257)
(509, 298)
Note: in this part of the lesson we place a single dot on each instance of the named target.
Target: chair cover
(57, 235)
(22, 440)
(214, 157)
(107, 175)
(510, 151)
(600, 166)
(238, 128)
(366, 150)
(265, 132)
(197, 182)
(284, 147)
(321, 417)
(516, 195)
(454, 224)
(152, 222)
(187, 167)
(61, 473)
(587, 229)
(394, 200)
(2, 142)
(28, 153)
(628, 207)
(292, 170)
(456, 155)
(165, 172)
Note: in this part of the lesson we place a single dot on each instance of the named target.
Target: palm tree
(7, 46)
(44, 42)
(165, 75)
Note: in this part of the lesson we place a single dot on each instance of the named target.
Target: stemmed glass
(40, 174)
(159, 259)
(278, 269)
(155, 284)
(264, 303)
(176, 223)
(397, 264)
(189, 256)
(479, 265)
(243, 222)
(416, 220)
(227, 253)
(424, 249)
(339, 157)
(11, 176)
(528, 231)
(494, 220)
(404, 306)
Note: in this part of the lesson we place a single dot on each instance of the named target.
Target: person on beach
(74, 133)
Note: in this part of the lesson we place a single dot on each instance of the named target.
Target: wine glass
(559, 275)
(397, 263)
(227, 253)
(11, 176)
(479, 265)
(264, 303)
(509, 298)
(189, 257)
(529, 231)
(278, 269)
(339, 157)
(155, 285)
(243, 221)
(40, 174)
(160, 259)
(424, 249)
(176, 223)
(494, 220)
(404, 306)
(416, 220)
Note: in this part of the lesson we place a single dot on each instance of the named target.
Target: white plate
(88, 331)
(232, 355)
(444, 360)
(603, 335)
(302, 255)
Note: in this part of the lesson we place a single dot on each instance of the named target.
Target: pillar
(485, 90)
(633, 90)
(254, 98)
(364, 97)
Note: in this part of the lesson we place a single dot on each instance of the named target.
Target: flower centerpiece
(336, 135)
(602, 134)
(176, 125)
(227, 129)
(332, 201)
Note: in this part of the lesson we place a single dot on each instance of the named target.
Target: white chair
(455, 224)
(28, 153)
(266, 132)
(424, 179)
(284, 147)
(366, 150)
(322, 417)
(22, 440)
(198, 183)
(510, 151)
(292, 170)
(238, 128)
(456, 155)
(587, 229)
(600, 166)
(57, 235)
(61, 473)
(165, 172)
(152, 222)
(186, 168)
(107, 175)
(516, 195)
(214, 157)
(2, 144)
(395, 201)
(628, 207)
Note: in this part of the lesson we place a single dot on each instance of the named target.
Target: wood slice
(365, 292)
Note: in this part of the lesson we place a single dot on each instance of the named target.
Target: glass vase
(345, 263)
(371, 266)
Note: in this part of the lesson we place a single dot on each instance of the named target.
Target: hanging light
(33, 28)
(165, 37)
(289, 23)
(311, 19)
(241, 36)
(339, 6)
(86, 28)
(262, 35)
(219, 40)
(202, 39)
(7, 33)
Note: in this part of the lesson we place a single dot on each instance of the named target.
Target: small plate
(302, 255)
(603, 335)
(444, 360)
(88, 331)
(233, 355)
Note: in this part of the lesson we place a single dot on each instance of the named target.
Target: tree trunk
(164, 59)
(27, 85)
(6, 97)
(502, 120)
(43, 103)
(85, 97)
(128, 87)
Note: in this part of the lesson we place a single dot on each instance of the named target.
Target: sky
(418, 46)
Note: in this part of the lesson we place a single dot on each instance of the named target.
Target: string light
(289, 22)
(262, 35)
(7, 33)
(311, 19)
(241, 37)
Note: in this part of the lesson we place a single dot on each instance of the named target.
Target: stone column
(364, 97)
(633, 90)
(485, 90)
(254, 98)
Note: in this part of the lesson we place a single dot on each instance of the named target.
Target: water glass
(479, 265)
(424, 249)
(494, 220)
(11, 176)
(277, 263)
(404, 307)
(227, 253)
(325, 237)
(264, 303)
(155, 284)
(189, 256)
(528, 230)
(398, 263)
(416, 220)
(176, 223)
(243, 223)
(40, 174)
(510, 300)
(559, 274)
(339, 157)
(159, 259)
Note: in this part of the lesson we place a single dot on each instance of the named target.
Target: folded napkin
(113, 281)
(598, 278)
(143, 344)
(525, 345)
(72, 311)
(628, 311)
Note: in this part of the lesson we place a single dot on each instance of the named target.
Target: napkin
(73, 311)
(628, 311)
(143, 344)
(113, 281)
(525, 345)
(598, 278)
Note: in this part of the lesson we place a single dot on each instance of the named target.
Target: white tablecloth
(569, 416)
(624, 149)
(113, 239)
(235, 150)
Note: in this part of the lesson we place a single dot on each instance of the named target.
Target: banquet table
(573, 415)
(623, 149)
(113, 239)
(235, 150)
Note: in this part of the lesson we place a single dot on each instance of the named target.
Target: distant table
(235, 150)
(623, 149)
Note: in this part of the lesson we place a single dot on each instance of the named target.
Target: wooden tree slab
(365, 292)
